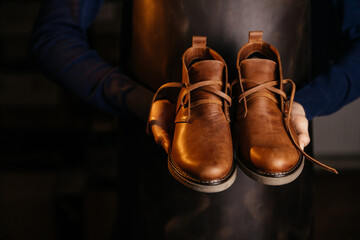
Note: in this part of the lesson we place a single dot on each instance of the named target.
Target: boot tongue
(204, 71)
(255, 71)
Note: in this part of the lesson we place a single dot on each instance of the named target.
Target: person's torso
(162, 30)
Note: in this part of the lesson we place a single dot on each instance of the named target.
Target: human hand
(301, 124)
(161, 122)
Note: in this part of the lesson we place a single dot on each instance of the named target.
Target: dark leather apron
(152, 204)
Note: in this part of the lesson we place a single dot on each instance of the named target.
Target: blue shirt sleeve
(59, 44)
(340, 83)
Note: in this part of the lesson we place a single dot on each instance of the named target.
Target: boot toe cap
(205, 170)
(273, 160)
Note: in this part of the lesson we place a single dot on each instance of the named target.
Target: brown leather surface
(202, 143)
(165, 209)
(268, 143)
(162, 30)
(160, 122)
(264, 141)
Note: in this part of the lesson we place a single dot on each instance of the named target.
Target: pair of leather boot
(201, 155)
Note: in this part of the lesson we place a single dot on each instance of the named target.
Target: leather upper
(202, 145)
(265, 135)
(264, 139)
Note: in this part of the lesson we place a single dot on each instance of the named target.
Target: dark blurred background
(58, 155)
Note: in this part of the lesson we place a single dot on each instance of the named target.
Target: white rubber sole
(205, 188)
(272, 180)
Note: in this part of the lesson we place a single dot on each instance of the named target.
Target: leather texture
(202, 150)
(160, 33)
(264, 141)
(202, 145)
(267, 142)
(160, 122)
(163, 29)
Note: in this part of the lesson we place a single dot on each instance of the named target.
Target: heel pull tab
(199, 42)
(255, 36)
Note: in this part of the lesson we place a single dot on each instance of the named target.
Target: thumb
(304, 140)
(301, 124)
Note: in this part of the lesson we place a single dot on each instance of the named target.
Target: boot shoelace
(270, 86)
(191, 87)
(205, 85)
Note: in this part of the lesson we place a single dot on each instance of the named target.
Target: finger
(301, 125)
(304, 140)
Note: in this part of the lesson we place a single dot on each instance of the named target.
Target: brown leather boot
(268, 149)
(201, 156)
